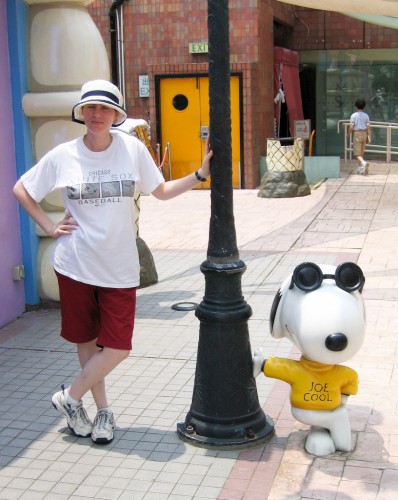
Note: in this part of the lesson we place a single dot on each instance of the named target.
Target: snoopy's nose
(336, 342)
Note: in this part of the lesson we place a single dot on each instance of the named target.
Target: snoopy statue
(321, 310)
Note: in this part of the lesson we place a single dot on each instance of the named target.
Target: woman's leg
(85, 352)
(96, 365)
(116, 311)
(93, 316)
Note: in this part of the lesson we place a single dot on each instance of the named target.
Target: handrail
(310, 144)
(388, 149)
(169, 161)
(160, 164)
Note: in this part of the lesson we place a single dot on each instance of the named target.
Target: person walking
(95, 256)
(360, 128)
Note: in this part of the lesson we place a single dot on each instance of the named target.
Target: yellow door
(184, 118)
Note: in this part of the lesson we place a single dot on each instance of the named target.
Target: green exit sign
(199, 48)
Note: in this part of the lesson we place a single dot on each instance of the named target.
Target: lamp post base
(237, 437)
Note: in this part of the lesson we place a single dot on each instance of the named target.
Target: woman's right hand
(34, 210)
(66, 226)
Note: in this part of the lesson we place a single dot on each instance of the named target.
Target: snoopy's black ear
(274, 308)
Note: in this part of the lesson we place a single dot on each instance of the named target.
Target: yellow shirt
(314, 386)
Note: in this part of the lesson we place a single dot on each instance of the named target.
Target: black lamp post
(225, 410)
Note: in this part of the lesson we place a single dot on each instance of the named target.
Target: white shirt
(98, 190)
(360, 119)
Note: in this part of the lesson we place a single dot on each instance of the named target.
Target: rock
(284, 185)
(148, 273)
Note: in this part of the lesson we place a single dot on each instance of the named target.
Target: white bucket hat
(100, 92)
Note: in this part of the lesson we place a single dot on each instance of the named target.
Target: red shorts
(93, 312)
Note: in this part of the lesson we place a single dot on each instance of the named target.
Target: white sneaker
(365, 168)
(360, 169)
(76, 415)
(104, 425)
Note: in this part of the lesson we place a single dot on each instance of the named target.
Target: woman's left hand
(204, 170)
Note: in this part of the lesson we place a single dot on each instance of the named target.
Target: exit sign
(199, 48)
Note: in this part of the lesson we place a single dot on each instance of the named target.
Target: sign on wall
(302, 128)
(143, 85)
(199, 48)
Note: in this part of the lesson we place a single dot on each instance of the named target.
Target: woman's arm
(34, 210)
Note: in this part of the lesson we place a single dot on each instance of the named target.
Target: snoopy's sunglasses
(308, 277)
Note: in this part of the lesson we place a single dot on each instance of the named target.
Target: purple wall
(12, 301)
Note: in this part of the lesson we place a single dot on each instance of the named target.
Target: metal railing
(386, 149)
(166, 160)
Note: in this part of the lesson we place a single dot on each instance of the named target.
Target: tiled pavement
(351, 218)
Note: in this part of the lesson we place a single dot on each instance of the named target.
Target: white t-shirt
(98, 190)
(360, 119)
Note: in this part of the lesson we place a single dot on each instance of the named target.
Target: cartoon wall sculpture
(65, 50)
(321, 310)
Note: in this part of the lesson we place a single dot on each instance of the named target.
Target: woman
(95, 255)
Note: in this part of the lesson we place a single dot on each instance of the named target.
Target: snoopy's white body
(313, 321)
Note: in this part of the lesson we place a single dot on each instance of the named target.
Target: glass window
(338, 78)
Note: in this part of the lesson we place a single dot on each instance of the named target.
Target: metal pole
(225, 411)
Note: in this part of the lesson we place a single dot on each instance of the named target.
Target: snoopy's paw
(319, 442)
(258, 361)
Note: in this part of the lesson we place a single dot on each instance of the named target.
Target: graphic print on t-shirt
(96, 190)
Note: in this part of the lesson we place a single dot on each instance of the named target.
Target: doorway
(184, 125)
